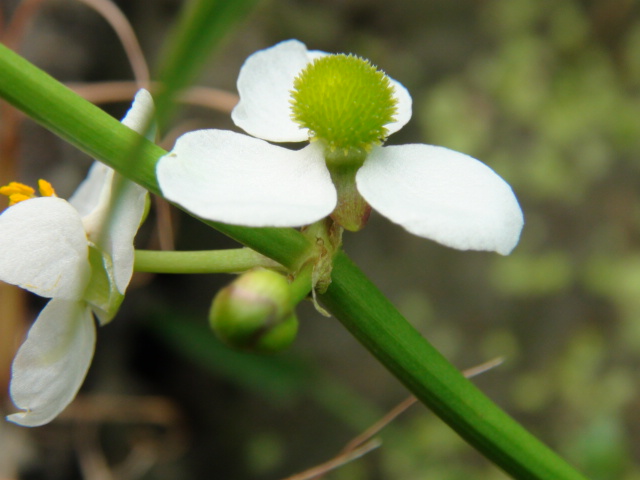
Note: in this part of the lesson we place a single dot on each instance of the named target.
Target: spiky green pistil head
(344, 101)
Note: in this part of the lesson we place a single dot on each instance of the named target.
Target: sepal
(102, 293)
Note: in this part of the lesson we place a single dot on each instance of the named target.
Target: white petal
(127, 208)
(264, 84)
(240, 180)
(141, 114)
(93, 193)
(43, 248)
(443, 195)
(52, 362)
(115, 208)
(403, 112)
(127, 200)
(112, 206)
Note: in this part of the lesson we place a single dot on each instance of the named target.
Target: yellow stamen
(19, 192)
(15, 187)
(17, 197)
(46, 189)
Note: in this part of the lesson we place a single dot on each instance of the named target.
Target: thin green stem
(233, 260)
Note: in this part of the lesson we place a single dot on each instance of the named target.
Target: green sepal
(102, 294)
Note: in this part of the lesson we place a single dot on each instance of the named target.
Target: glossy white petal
(43, 248)
(264, 85)
(94, 192)
(116, 206)
(112, 206)
(127, 207)
(140, 117)
(116, 209)
(92, 195)
(403, 113)
(241, 180)
(52, 362)
(127, 200)
(443, 195)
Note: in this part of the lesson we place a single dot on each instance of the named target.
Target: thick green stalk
(352, 298)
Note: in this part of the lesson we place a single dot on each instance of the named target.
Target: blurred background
(544, 92)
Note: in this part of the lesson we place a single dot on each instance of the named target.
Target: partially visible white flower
(431, 191)
(80, 254)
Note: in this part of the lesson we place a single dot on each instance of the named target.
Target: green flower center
(344, 101)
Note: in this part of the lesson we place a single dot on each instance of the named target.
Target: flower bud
(255, 312)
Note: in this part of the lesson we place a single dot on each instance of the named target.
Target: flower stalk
(352, 211)
(232, 260)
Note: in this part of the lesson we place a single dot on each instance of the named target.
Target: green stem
(378, 325)
(351, 297)
(233, 260)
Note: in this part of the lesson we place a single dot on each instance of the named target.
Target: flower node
(344, 101)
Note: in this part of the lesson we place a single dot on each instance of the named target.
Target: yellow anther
(18, 197)
(46, 189)
(17, 188)
(18, 192)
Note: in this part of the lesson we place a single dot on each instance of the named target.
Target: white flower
(431, 191)
(80, 254)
